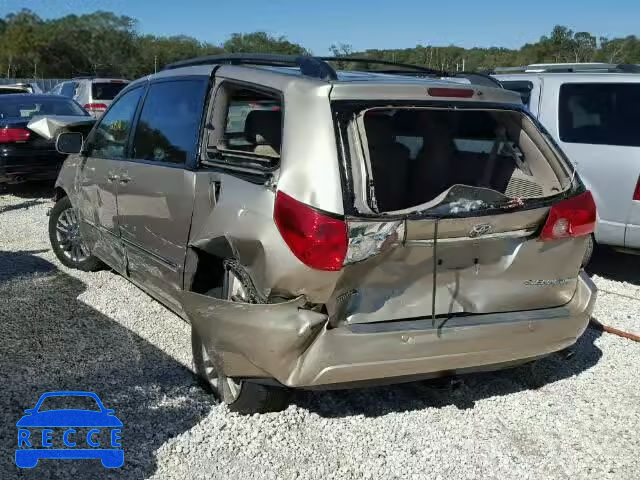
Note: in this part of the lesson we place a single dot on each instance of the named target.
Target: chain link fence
(45, 84)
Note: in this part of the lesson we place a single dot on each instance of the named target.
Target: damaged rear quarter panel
(271, 337)
(243, 217)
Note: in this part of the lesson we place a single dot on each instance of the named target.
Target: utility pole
(155, 64)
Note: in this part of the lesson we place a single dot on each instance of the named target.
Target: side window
(600, 113)
(68, 89)
(109, 139)
(169, 124)
(252, 127)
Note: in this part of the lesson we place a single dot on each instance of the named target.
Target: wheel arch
(204, 264)
(59, 193)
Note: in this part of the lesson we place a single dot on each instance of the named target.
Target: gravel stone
(64, 329)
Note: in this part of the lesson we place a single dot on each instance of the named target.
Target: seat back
(263, 129)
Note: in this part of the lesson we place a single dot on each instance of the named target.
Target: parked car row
(94, 94)
(27, 142)
(324, 229)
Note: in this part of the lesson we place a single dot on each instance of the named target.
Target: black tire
(88, 263)
(591, 243)
(251, 398)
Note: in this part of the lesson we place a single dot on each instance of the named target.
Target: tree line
(103, 43)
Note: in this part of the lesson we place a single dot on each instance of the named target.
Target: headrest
(264, 127)
(379, 129)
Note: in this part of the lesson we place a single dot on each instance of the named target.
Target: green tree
(261, 42)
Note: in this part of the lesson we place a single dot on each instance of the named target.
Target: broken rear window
(414, 155)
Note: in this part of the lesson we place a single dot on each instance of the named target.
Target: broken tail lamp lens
(13, 135)
(316, 239)
(450, 92)
(574, 217)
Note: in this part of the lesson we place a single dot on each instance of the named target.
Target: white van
(593, 112)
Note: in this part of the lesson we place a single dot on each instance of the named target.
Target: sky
(362, 23)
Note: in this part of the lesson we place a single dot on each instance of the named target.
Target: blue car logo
(93, 432)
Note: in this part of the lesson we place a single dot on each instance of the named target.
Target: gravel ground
(63, 329)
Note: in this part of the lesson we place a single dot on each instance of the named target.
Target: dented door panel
(505, 268)
(381, 280)
(441, 267)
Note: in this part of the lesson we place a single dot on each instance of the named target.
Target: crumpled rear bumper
(295, 346)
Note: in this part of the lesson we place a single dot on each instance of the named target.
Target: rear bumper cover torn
(294, 345)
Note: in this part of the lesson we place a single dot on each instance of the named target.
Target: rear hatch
(455, 208)
(102, 94)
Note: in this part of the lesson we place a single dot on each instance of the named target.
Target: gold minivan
(324, 229)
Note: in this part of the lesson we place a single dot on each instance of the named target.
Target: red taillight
(636, 192)
(318, 240)
(12, 135)
(573, 217)
(450, 92)
(95, 107)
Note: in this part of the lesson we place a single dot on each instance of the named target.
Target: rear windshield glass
(26, 106)
(106, 90)
(416, 155)
(600, 113)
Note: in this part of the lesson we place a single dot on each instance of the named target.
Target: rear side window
(170, 121)
(600, 113)
(254, 123)
(248, 129)
(110, 136)
(523, 87)
(106, 90)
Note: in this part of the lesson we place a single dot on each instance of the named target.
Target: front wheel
(66, 240)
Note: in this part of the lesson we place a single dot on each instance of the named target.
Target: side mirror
(30, 410)
(69, 142)
(109, 411)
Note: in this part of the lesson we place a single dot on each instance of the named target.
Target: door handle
(124, 178)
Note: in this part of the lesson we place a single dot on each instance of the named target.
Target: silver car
(94, 94)
(363, 228)
(591, 110)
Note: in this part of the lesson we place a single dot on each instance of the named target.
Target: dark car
(25, 154)
(11, 89)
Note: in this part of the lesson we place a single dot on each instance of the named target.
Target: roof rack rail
(318, 67)
(570, 68)
(308, 65)
(400, 68)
